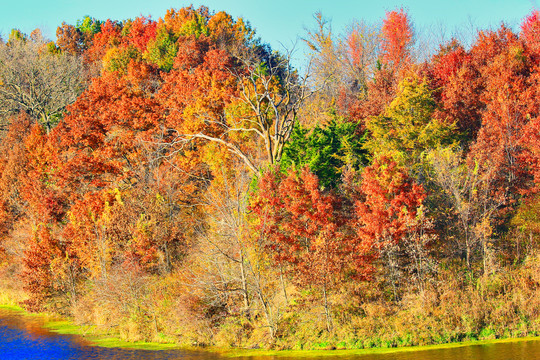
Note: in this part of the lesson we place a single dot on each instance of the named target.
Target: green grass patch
(312, 353)
(66, 327)
(11, 307)
(100, 338)
(112, 342)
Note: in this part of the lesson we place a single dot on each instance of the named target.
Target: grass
(112, 342)
(374, 351)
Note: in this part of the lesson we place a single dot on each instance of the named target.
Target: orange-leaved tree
(397, 39)
(387, 212)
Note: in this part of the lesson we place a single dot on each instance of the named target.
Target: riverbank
(374, 351)
(100, 338)
(92, 334)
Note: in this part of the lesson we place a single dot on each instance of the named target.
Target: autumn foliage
(389, 206)
(308, 230)
(397, 39)
(192, 170)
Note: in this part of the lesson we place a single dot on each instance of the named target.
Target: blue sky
(276, 21)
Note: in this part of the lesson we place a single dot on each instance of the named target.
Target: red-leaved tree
(307, 232)
(387, 212)
(397, 39)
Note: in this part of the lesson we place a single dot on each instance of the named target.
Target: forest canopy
(179, 180)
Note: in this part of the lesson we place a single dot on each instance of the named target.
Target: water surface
(23, 338)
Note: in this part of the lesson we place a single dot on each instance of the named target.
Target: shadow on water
(24, 338)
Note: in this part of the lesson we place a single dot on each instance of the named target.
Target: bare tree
(416, 248)
(273, 107)
(347, 60)
(469, 192)
(273, 92)
(232, 272)
(341, 65)
(38, 81)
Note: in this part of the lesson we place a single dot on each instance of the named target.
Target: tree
(307, 233)
(397, 39)
(510, 99)
(42, 193)
(273, 93)
(526, 221)
(13, 167)
(469, 190)
(341, 67)
(162, 49)
(89, 233)
(386, 213)
(32, 206)
(327, 150)
(233, 268)
(37, 82)
(393, 60)
(89, 27)
(259, 115)
(407, 128)
(69, 39)
(458, 86)
(38, 274)
(530, 31)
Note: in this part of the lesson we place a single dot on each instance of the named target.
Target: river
(23, 338)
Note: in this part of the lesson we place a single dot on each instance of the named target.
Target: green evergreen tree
(327, 150)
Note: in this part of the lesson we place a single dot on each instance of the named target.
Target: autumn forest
(178, 180)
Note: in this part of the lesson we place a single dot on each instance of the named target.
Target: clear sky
(276, 21)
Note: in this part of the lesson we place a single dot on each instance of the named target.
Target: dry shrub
(194, 321)
(11, 288)
(119, 301)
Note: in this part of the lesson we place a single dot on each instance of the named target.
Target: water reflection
(23, 338)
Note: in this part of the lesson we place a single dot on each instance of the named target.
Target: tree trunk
(327, 310)
(282, 279)
(468, 252)
(244, 286)
(267, 314)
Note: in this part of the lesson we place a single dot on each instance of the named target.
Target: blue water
(22, 338)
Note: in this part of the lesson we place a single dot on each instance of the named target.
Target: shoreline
(56, 324)
(59, 325)
(345, 352)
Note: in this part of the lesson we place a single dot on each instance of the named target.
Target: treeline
(178, 180)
